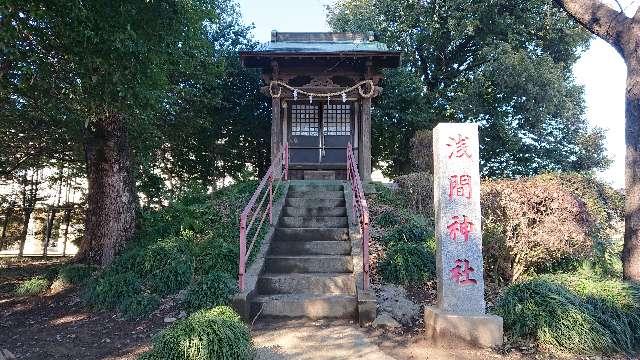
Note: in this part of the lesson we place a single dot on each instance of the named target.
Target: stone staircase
(308, 271)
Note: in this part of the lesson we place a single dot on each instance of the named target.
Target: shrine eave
(386, 59)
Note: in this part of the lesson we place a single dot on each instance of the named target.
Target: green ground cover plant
(211, 290)
(76, 274)
(217, 333)
(407, 263)
(35, 286)
(578, 313)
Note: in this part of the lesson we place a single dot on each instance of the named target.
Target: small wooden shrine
(321, 85)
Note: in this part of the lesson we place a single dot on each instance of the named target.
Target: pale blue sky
(600, 70)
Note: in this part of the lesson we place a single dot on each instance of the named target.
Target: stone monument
(459, 317)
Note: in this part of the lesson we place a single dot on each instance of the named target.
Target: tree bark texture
(623, 33)
(111, 201)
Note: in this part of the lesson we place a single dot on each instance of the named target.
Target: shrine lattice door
(319, 133)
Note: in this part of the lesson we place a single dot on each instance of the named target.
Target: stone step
(318, 211)
(311, 234)
(317, 283)
(316, 194)
(314, 203)
(314, 222)
(308, 264)
(315, 187)
(310, 248)
(319, 175)
(305, 305)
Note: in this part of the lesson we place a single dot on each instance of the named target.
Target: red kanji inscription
(461, 273)
(460, 186)
(460, 226)
(459, 147)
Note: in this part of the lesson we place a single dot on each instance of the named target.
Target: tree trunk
(67, 221)
(5, 224)
(52, 218)
(111, 203)
(631, 252)
(25, 230)
(623, 33)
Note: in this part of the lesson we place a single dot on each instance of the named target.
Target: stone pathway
(319, 340)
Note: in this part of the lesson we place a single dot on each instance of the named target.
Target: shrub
(408, 263)
(580, 315)
(211, 290)
(35, 286)
(414, 230)
(530, 222)
(217, 256)
(75, 274)
(604, 203)
(385, 196)
(168, 264)
(113, 288)
(139, 305)
(388, 218)
(417, 188)
(207, 334)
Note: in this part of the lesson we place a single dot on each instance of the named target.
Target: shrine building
(321, 86)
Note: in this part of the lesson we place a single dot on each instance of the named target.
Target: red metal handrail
(360, 211)
(250, 214)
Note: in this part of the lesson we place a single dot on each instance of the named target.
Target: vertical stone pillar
(364, 145)
(460, 313)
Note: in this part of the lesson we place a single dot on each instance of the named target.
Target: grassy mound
(578, 314)
(217, 333)
(179, 247)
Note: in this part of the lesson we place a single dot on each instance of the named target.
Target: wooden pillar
(276, 131)
(364, 145)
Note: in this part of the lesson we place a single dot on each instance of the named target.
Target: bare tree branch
(598, 18)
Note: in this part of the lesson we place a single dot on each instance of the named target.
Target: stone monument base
(450, 329)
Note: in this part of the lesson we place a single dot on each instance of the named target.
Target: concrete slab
(305, 340)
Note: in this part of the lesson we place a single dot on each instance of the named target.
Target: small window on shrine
(337, 119)
(304, 120)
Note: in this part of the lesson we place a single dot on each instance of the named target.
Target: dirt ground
(59, 326)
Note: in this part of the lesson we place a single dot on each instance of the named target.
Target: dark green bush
(35, 286)
(168, 264)
(408, 263)
(211, 290)
(113, 288)
(388, 218)
(76, 274)
(414, 230)
(207, 334)
(139, 305)
(573, 313)
(383, 195)
(217, 256)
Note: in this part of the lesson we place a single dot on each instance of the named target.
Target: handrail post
(243, 250)
(271, 199)
(286, 161)
(365, 246)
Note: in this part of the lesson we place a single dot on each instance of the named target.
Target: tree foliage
(150, 90)
(503, 64)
